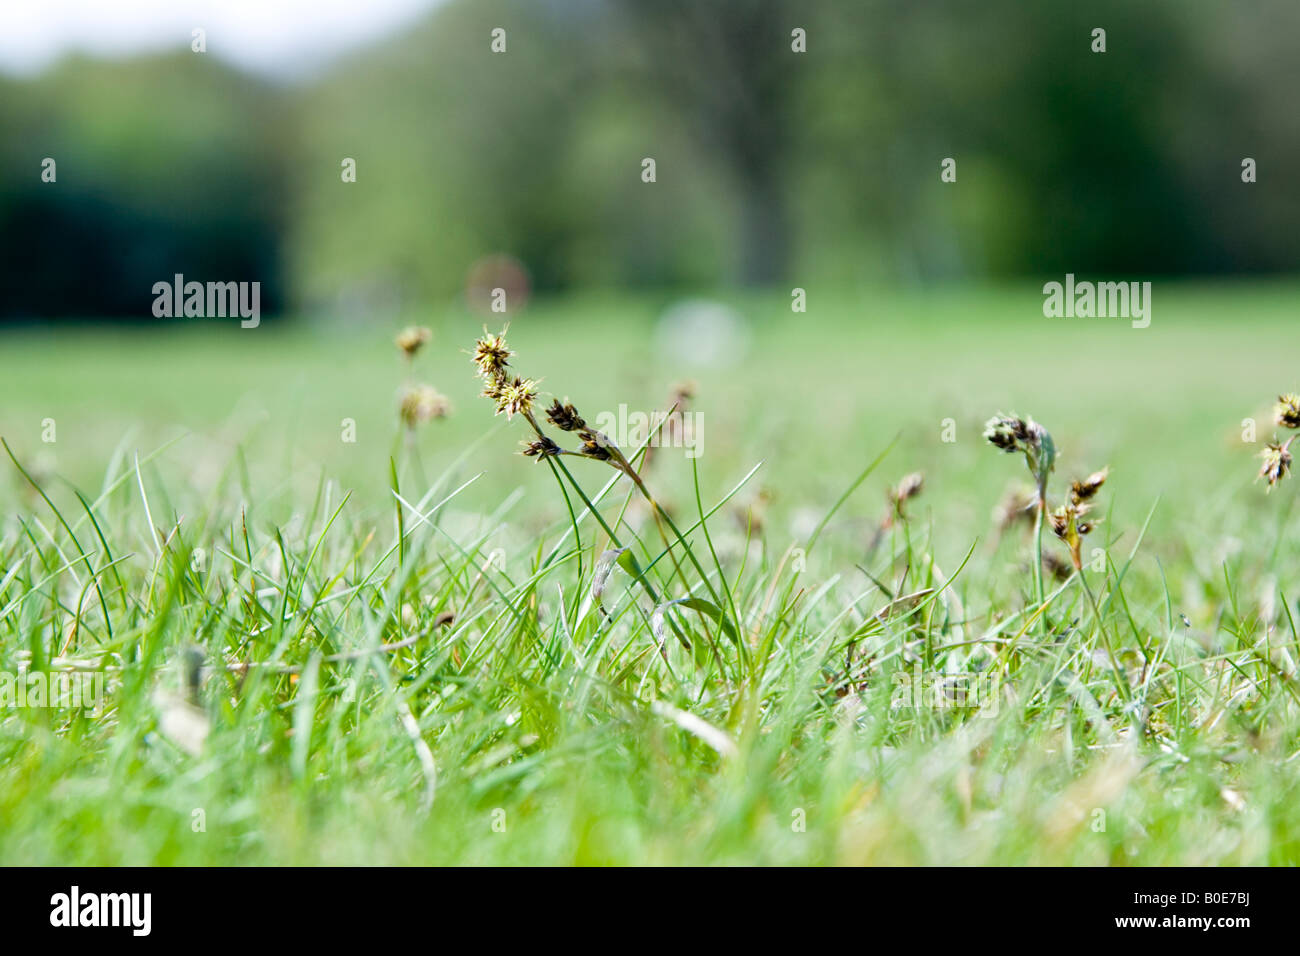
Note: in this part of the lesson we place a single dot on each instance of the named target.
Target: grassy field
(425, 674)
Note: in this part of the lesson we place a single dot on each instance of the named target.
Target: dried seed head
(1287, 411)
(1001, 433)
(1013, 433)
(906, 489)
(1065, 525)
(514, 397)
(492, 388)
(1277, 462)
(1066, 521)
(421, 403)
(594, 444)
(540, 448)
(492, 355)
(909, 487)
(1087, 488)
(412, 338)
(1060, 521)
(564, 417)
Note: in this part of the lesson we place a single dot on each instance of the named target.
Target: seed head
(412, 338)
(540, 448)
(565, 417)
(1287, 411)
(908, 488)
(1087, 489)
(594, 444)
(1277, 462)
(1066, 526)
(421, 403)
(1067, 521)
(1000, 434)
(492, 355)
(514, 397)
(1013, 433)
(1060, 521)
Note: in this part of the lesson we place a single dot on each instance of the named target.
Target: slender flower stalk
(515, 395)
(1014, 434)
(1121, 679)
(1070, 523)
(416, 403)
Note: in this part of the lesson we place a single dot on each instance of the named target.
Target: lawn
(304, 664)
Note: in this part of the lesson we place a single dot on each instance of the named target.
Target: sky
(275, 37)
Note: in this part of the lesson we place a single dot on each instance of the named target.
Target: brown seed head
(421, 403)
(909, 487)
(564, 417)
(1012, 433)
(906, 489)
(1000, 436)
(1277, 462)
(594, 444)
(540, 448)
(492, 388)
(1287, 411)
(514, 397)
(1087, 488)
(412, 338)
(492, 355)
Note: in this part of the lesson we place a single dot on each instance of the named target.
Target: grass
(350, 720)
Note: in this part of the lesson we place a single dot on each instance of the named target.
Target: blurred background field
(814, 400)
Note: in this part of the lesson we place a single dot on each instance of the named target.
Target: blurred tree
(165, 165)
(728, 70)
